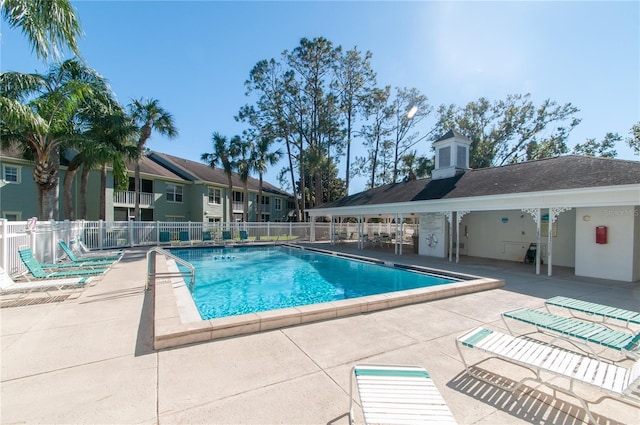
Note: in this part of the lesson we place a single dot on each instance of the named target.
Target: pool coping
(177, 321)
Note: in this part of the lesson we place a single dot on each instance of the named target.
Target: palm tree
(40, 114)
(224, 154)
(244, 167)
(149, 116)
(261, 159)
(114, 135)
(48, 24)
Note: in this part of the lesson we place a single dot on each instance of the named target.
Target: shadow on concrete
(528, 404)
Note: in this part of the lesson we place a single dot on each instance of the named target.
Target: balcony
(127, 198)
(238, 206)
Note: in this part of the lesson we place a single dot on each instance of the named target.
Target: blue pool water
(240, 280)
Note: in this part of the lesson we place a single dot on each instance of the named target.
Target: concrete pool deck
(90, 358)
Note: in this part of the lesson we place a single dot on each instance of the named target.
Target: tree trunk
(84, 181)
(67, 193)
(293, 179)
(259, 218)
(136, 210)
(245, 201)
(230, 196)
(103, 192)
(45, 175)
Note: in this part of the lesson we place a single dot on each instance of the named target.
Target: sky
(194, 56)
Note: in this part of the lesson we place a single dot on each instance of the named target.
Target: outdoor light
(412, 112)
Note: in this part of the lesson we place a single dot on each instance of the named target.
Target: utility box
(601, 234)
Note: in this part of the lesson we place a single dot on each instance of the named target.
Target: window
(238, 196)
(12, 216)
(11, 174)
(214, 196)
(277, 204)
(174, 193)
(445, 157)
(175, 218)
(462, 157)
(266, 200)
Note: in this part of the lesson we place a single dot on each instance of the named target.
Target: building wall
(18, 197)
(617, 259)
(164, 208)
(506, 235)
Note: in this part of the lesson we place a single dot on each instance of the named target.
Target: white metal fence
(43, 237)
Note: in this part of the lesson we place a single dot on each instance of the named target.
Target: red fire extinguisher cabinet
(601, 234)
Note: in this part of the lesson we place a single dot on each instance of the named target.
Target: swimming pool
(177, 321)
(241, 280)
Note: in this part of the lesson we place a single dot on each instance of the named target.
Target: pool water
(240, 280)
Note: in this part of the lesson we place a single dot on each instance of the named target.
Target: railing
(43, 238)
(128, 198)
(151, 267)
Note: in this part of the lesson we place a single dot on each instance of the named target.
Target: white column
(449, 217)
(535, 213)
(401, 238)
(5, 245)
(459, 215)
(312, 231)
(553, 215)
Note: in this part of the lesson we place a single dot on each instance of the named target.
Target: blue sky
(194, 57)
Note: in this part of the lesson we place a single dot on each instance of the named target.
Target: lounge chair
(226, 236)
(398, 395)
(183, 237)
(244, 237)
(206, 237)
(37, 271)
(26, 253)
(616, 382)
(578, 331)
(604, 312)
(9, 286)
(75, 259)
(164, 237)
(82, 251)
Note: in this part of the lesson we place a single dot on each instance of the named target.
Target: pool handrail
(151, 266)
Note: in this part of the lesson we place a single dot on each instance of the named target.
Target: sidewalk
(89, 358)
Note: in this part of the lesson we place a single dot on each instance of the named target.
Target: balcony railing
(238, 206)
(127, 198)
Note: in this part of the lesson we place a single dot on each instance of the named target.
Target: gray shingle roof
(191, 170)
(560, 173)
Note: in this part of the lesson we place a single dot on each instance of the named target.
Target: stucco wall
(506, 235)
(618, 258)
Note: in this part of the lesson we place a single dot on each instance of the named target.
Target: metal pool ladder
(151, 267)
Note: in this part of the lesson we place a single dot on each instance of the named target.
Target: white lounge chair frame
(9, 286)
(618, 383)
(398, 395)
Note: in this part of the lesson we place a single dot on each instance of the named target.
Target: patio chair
(244, 237)
(164, 237)
(26, 253)
(578, 331)
(183, 238)
(226, 236)
(9, 286)
(81, 249)
(206, 237)
(75, 259)
(37, 271)
(398, 395)
(614, 381)
(604, 312)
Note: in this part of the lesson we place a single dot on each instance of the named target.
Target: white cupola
(452, 155)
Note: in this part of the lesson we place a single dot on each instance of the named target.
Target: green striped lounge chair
(577, 331)
(604, 313)
(398, 395)
(27, 254)
(9, 286)
(38, 272)
(81, 250)
(226, 236)
(80, 261)
(547, 361)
